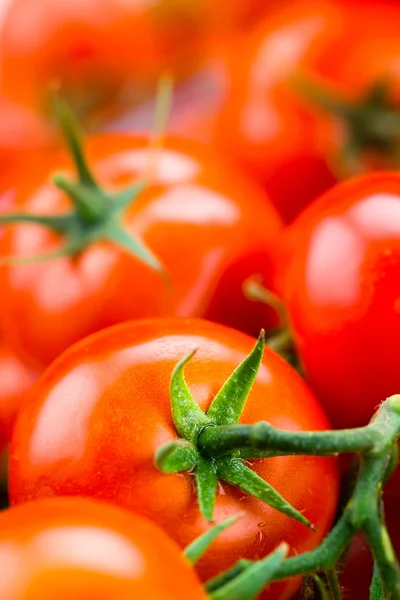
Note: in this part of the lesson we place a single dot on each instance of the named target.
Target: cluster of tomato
(270, 200)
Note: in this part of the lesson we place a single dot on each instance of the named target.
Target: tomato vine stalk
(216, 447)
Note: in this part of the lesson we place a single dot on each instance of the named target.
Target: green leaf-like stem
(196, 549)
(97, 215)
(252, 580)
(192, 423)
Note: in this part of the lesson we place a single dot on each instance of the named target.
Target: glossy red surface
(342, 291)
(271, 127)
(96, 52)
(103, 408)
(15, 382)
(210, 228)
(75, 548)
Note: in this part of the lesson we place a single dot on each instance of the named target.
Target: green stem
(60, 223)
(89, 202)
(322, 589)
(218, 441)
(321, 97)
(376, 590)
(372, 122)
(221, 580)
(73, 137)
(385, 557)
(322, 558)
(281, 342)
(334, 585)
(254, 290)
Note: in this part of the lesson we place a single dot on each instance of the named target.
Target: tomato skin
(80, 435)
(264, 122)
(290, 145)
(97, 52)
(198, 218)
(16, 380)
(24, 139)
(76, 548)
(341, 288)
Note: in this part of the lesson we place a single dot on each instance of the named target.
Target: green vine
(215, 446)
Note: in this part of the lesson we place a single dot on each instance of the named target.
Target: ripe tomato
(103, 408)
(342, 292)
(269, 125)
(96, 51)
(238, 14)
(23, 139)
(76, 548)
(15, 381)
(210, 229)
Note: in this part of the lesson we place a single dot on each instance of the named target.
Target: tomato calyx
(376, 445)
(189, 454)
(215, 447)
(371, 123)
(96, 215)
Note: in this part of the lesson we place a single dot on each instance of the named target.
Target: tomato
(76, 548)
(16, 380)
(342, 293)
(209, 228)
(98, 51)
(276, 130)
(23, 139)
(103, 408)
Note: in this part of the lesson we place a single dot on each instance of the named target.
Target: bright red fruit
(75, 548)
(103, 408)
(342, 288)
(15, 381)
(297, 145)
(97, 51)
(208, 227)
(24, 138)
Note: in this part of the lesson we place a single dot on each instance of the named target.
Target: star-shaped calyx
(370, 123)
(96, 215)
(188, 454)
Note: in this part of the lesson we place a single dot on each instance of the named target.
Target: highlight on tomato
(173, 232)
(313, 97)
(342, 294)
(77, 548)
(109, 405)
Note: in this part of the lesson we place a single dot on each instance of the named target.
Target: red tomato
(95, 50)
(268, 124)
(23, 138)
(235, 15)
(15, 381)
(103, 408)
(209, 227)
(75, 548)
(342, 291)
